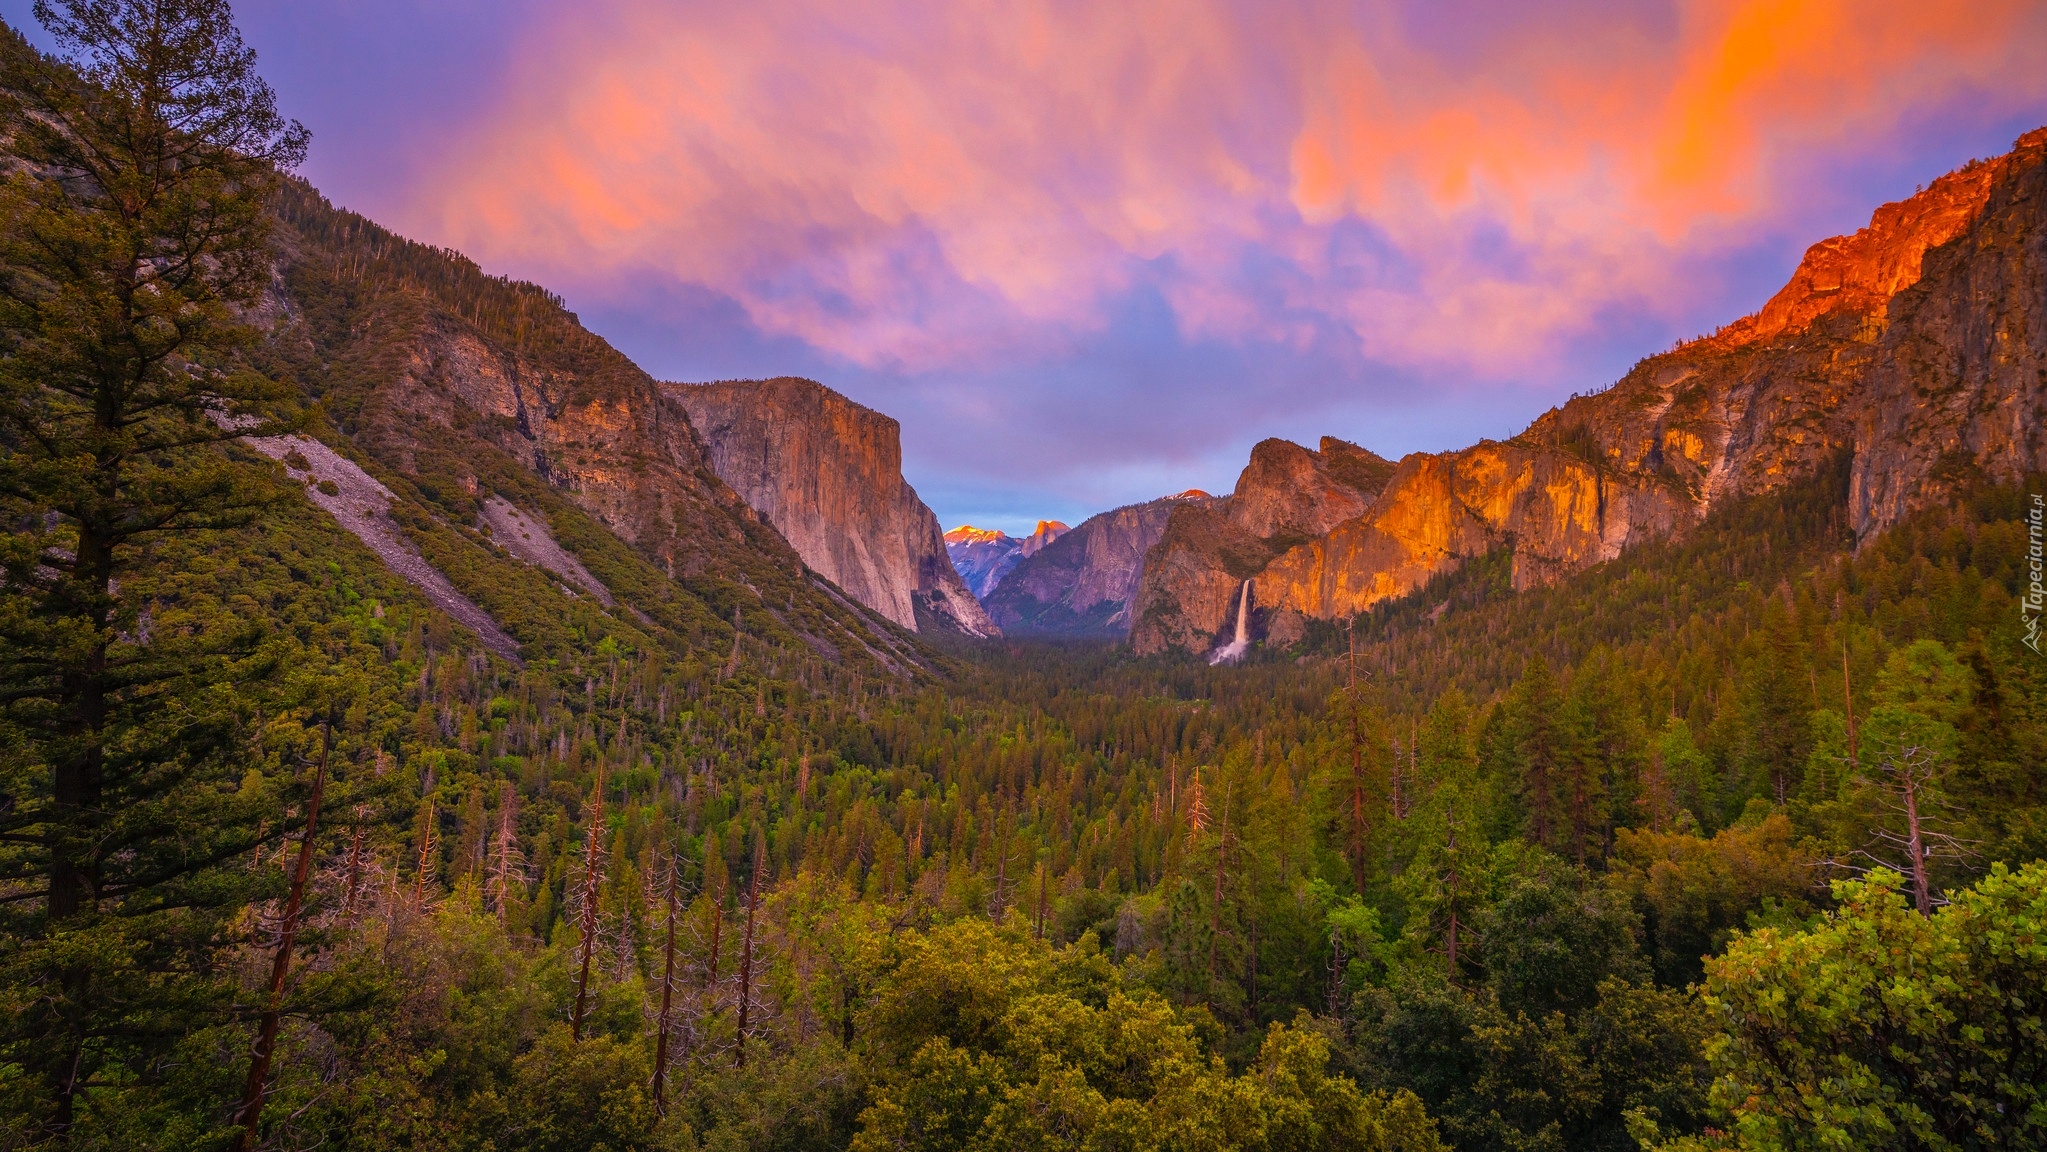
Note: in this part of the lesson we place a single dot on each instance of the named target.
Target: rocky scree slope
(482, 404)
(1916, 347)
(828, 474)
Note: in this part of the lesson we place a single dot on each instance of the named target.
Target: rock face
(485, 405)
(339, 487)
(1286, 495)
(828, 474)
(983, 556)
(1042, 537)
(1916, 346)
(1083, 582)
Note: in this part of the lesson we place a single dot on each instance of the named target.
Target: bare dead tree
(1453, 890)
(1044, 879)
(1197, 808)
(753, 903)
(593, 877)
(1905, 777)
(429, 857)
(1847, 693)
(1357, 765)
(359, 869)
(508, 864)
(665, 1020)
(1222, 863)
(1005, 846)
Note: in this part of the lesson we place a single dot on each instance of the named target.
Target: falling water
(1234, 650)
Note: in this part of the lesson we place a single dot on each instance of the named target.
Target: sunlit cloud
(926, 187)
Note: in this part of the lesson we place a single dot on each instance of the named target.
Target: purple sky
(1090, 254)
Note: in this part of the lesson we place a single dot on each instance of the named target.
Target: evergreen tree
(132, 231)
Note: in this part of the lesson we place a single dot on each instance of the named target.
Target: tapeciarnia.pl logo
(2035, 598)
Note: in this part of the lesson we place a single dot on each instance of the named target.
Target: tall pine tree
(133, 236)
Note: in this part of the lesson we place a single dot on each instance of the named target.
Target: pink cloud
(932, 187)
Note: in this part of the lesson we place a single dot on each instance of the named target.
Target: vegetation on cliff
(1729, 842)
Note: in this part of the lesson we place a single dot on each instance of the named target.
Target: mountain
(1915, 348)
(828, 474)
(983, 556)
(488, 447)
(1286, 494)
(1082, 583)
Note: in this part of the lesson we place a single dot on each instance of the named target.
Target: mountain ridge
(983, 556)
(1915, 345)
(457, 390)
(1082, 584)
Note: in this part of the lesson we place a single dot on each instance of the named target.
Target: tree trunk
(75, 783)
(667, 996)
(753, 900)
(1222, 849)
(587, 922)
(1847, 693)
(1915, 845)
(1357, 774)
(1044, 881)
(280, 966)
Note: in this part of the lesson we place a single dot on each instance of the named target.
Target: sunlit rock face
(442, 399)
(828, 474)
(983, 556)
(1042, 537)
(1286, 495)
(482, 406)
(1082, 582)
(1917, 347)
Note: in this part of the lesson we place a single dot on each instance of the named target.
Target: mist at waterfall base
(1233, 651)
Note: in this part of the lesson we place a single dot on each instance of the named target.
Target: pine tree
(1535, 706)
(132, 227)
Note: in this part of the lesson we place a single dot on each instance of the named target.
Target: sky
(1089, 253)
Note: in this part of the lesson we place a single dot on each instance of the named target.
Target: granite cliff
(828, 474)
(1287, 494)
(1082, 583)
(1916, 347)
(518, 452)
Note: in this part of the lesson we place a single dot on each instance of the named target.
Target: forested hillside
(1733, 841)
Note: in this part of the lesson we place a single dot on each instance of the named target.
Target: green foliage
(988, 1041)
(1695, 893)
(1879, 1028)
(132, 228)
(1019, 895)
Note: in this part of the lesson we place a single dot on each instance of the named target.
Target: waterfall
(1234, 650)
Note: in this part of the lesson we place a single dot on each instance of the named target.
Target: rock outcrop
(485, 406)
(1286, 495)
(983, 556)
(1083, 582)
(1916, 346)
(1042, 537)
(828, 474)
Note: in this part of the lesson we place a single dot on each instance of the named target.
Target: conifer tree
(132, 232)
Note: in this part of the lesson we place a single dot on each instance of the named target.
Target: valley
(425, 728)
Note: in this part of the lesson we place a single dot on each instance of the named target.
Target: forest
(1735, 842)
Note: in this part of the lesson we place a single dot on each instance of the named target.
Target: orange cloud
(932, 185)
